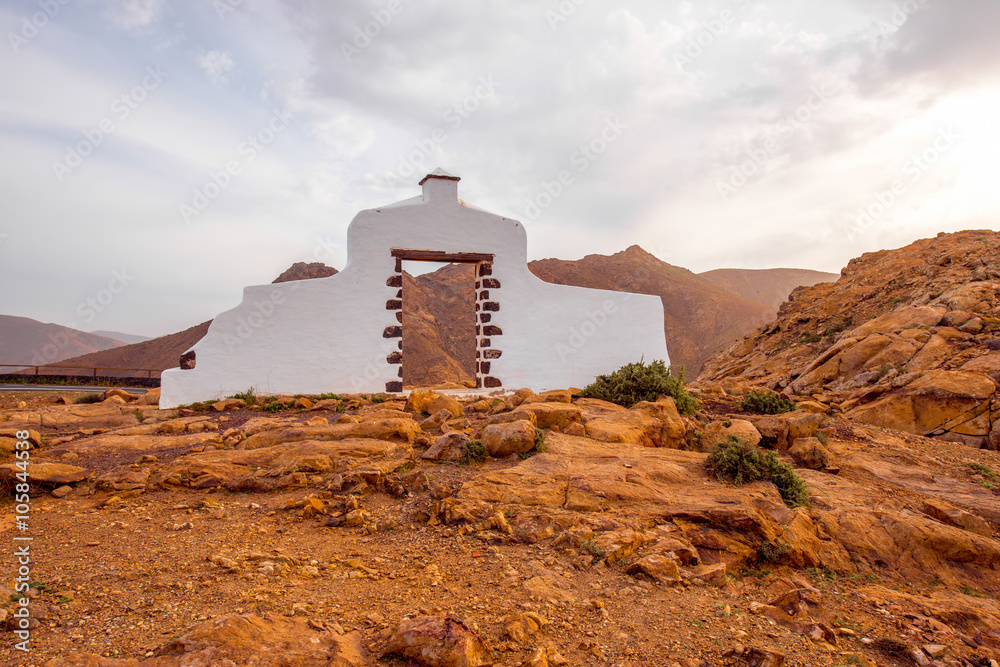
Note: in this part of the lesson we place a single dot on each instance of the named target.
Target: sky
(156, 156)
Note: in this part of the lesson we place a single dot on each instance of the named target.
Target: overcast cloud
(179, 151)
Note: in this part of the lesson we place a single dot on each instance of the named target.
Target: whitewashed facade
(343, 333)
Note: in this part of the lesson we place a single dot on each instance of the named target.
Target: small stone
(935, 651)
(62, 491)
(919, 657)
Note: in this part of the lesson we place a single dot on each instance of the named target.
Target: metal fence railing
(57, 369)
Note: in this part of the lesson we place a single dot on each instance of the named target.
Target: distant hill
(770, 286)
(126, 339)
(156, 354)
(304, 271)
(27, 341)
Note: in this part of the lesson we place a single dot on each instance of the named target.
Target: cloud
(133, 15)
(218, 65)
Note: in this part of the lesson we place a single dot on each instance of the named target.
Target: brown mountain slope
(439, 326)
(906, 338)
(700, 318)
(303, 271)
(156, 354)
(27, 341)
(770, 286)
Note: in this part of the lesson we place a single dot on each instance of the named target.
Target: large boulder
(502, 440)
(635, 427)
(449, 447)
(439, 641)
(720, 431)
(45, 473)
(268, 641)
(811, 453)
(940, 400)
(559, 415)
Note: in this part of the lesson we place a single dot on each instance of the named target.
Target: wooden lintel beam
(439, 256)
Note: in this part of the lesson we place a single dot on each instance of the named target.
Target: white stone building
(344, 333)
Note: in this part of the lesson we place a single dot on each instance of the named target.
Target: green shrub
(636, 382)
(473, 452)
(539, 445)
(766, 403)
(249, 396)
(88, 398)
(983, 470)
(810, 338)
(272, 405)
(740, 463)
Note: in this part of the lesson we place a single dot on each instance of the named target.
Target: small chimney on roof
(440, 185)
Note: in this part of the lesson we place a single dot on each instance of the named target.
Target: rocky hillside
(700, 318)
(907, 339)
(770, 286)
(157, 354)
(439, 323)
(502, 530)
(27, 341)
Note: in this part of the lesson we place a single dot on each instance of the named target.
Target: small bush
(983, 470)
(88, 398)
(539, 445)
(272, 405)
(740, 463)
(772, 553)
(636, 382)
(249, 396)
(473, 452)
(810, 338)
(766, 403)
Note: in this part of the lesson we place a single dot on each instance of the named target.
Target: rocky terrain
(906, 339)
(513, 529)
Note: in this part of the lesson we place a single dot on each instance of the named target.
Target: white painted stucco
(326, 334)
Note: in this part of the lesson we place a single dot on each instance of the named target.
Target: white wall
(325, 335)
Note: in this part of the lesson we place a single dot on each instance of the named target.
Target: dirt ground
(123, 579)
